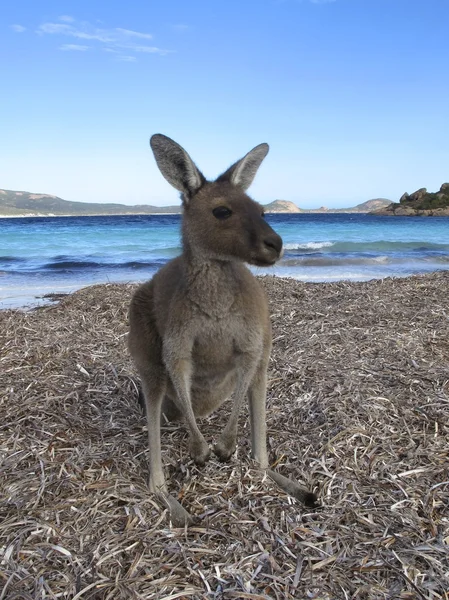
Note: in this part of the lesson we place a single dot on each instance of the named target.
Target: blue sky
(351, 95)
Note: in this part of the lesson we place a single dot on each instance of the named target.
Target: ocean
(61, 254)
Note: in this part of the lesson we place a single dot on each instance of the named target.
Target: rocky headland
(420, 204)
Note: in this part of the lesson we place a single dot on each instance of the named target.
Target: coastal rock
(400, 211)
(404, 211)
(421, 204)
(439, 212)
(418, 195)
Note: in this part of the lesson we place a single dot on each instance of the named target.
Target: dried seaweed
(358, 408)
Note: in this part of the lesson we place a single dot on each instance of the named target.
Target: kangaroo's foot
(225, 447)
(199, 451)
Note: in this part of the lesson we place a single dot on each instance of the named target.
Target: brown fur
(200, 329)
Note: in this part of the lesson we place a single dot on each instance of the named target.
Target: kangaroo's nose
(274, 242)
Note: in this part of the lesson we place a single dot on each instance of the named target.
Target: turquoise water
(42, 255)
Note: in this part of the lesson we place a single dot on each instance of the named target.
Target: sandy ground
(358, 407)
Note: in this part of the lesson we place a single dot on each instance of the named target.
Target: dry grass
(358, 409)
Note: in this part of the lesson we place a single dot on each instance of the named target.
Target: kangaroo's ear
(176, 165)
(243, 171)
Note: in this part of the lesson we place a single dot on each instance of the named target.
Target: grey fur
(176, 165)
(200, 329)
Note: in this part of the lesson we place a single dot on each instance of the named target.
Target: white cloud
(147, 49)
(85, 33)
(54, 28)
(18, 28)
(180, 27)
(127, 58)
(137, 34)
(76, 47)
(113, 40)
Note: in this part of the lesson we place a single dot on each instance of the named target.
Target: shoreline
(26, 300)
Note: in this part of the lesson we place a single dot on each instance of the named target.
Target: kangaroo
(200, 330)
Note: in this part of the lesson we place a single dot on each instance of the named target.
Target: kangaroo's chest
(220, 343)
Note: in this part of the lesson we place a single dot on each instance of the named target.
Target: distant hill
(368, 206)
(27, 204)
(421, 203)
(22, 204)
(284, 206)
(365, 207)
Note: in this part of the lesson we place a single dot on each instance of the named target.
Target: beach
(357, 410)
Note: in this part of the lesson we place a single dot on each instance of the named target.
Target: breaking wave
(308, 246)
(374, 246)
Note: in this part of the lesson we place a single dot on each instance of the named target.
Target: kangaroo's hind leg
(257, 402)
(154, 386)
(145, 346)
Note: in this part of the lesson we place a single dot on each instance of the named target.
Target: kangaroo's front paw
(199, 451)
(225, 448)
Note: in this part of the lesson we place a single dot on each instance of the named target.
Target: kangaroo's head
(220, 220)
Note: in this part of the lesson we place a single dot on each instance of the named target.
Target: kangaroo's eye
(222, 212)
